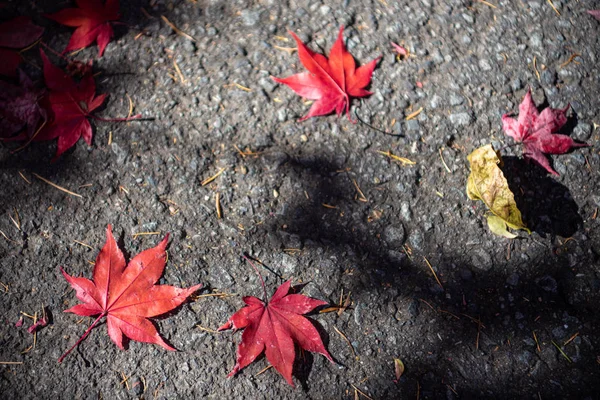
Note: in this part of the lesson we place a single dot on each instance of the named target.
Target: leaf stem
(375, 129)
(259, 275)
(82, 337)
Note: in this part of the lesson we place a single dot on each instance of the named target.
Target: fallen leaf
(274, 327)
(70, 104)
(93, 22)
(399, 50)
(488, 184)
(127, 296)
(537, 132)
(398, 368)
(78, 69)
(595, 14)
(16, 34)
(20, 107)
(39, 324)
(331, 82)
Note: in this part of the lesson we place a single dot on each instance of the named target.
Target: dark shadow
(546, 205)
(477, 331)
(303, 366)
(304, 361)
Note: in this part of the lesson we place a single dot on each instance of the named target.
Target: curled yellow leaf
(488, 184)
(398, 368)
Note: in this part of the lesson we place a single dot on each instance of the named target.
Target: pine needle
(218, 206)
(347, 341)
(83, 244)
(135, 235)
(265, 369)
(432, 271)
(212, 178)
(562, 352)
(361, 195)
(177, 30)
(206, 329)
(54, 185)
(554, 7)
(487, 4)
(404, 161)
(361, 392)
(414, 115)
(23, 176)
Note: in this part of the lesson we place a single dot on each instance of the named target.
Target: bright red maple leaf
(537, 132)
(330, 82)
(127, 296)
(15, 34)
(273, 327)
(93, 22)
(70, 104)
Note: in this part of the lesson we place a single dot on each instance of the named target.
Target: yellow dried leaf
(498, 226)
(398, 367)
(488, 184)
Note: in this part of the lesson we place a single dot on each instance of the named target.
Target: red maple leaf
(70, 104)
(127, 296)
(273, 327)
(16, 34)
(92, 20)
(537, 131)
(19, 107)
(331, 82)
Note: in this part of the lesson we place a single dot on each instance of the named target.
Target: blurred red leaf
(39, 324)
(595, 14)
(537, 132)
(20, 107)
(93, 22)
(399, 50)
(274, 327)
(331, 82)
(127, 296)
(15, 34)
